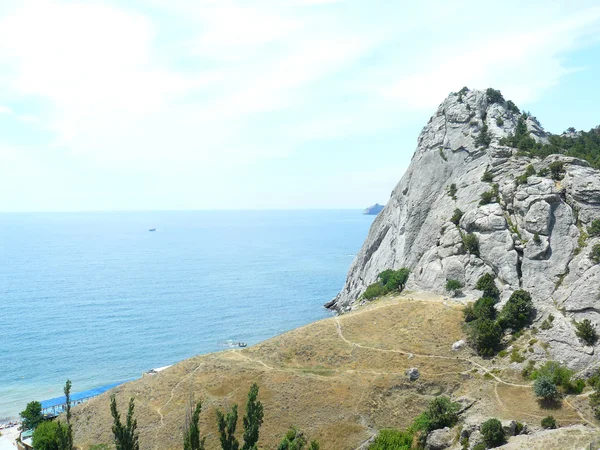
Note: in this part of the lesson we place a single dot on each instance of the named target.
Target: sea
(98, 298)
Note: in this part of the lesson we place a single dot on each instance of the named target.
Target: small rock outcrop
(373, 210)
(413, 374)
(531, 233)
(439, 439)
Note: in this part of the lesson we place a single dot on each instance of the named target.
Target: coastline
(8, 438)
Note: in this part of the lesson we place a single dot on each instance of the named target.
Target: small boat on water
(242, 344)
(152, 229)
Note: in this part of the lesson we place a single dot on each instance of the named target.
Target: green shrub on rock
(455, 219)
(586, 331)
(556, 170)
(594, 228)
(595, 254)
(487, 284)
(484, 308)
(387, 281)
(453, 286)
(549, 423)
(471, 243)
(493, 433)
(518, 312)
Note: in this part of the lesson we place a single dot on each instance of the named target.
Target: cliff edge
(531, 229)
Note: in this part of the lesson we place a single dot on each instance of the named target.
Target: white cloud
(182, 87)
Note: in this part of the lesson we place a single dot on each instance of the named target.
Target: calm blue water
(97, 298)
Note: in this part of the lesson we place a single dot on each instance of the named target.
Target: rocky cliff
(531, 234)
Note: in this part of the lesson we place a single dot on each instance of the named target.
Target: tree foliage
(455, 219)
(253, 419)
(389, 439)
(32, 415)
(387, 281)
(494, 96)
(484, 336)
(227, 425)
(126, 436)
(295, 440)
(545, 389)
(549, 422)
(518, 312)
(586, 331)
(47, 436)
(487, 284)
(191, 430)
(595, 254)
(493, 433)
(594, 228)
(471, 243)
(453, 286)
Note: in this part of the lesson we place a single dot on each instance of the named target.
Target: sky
(262, 104)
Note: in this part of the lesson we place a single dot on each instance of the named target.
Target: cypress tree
(227, 426)
(126, 437)
(191, 437)
(253, 419)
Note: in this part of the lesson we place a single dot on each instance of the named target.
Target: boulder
(439, 439)
(413, 374)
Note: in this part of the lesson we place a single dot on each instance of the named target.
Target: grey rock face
(413, 374)
(414, 231)
(439, 439)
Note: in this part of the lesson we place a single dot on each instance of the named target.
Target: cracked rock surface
(530, 235)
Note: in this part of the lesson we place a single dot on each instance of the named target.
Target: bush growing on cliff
(487, 284)
(595, 254)
(388, 281)
(484, 138)
(494, 96)
(512, 107)
(518, 312)
(487, 176)
(586, 331)
(453, 286)
(594, 228)
(493, 433)
(556, 170)
(471, 243)
(455, 219)
(545, 390)
(452, 190)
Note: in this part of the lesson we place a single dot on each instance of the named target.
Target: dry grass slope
(338, 379)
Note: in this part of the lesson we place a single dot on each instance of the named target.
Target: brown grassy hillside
(338, 379)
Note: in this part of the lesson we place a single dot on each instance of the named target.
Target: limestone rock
(458, 345)
(439, 439)
(413, 374)
(414, 230)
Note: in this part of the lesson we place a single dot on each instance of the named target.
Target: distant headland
(373, 210)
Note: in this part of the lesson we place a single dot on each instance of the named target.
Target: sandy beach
(7, 440)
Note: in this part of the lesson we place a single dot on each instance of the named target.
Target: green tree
(545, 389)
(442, 412)
(484, 138)
(46, 436)
(126, 436)
(485, 335)
(191, 430)
(518, 311)
(227, 425)
(253, 419)
(494, 96)
(65, 433)
(32, 415)
(586, 331)
(487, 284)
(493, 433)
(484, 308)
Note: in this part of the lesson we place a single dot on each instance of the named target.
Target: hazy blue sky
(169, 104)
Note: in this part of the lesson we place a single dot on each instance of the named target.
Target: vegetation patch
(586, 331)
(387, 281)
